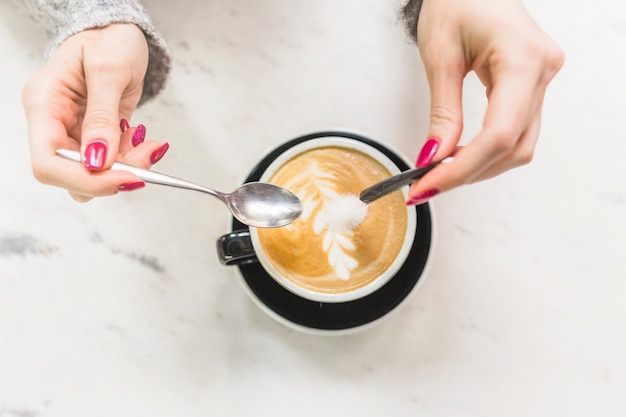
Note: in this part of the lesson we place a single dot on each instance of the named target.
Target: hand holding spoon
(396, 182)
(254, 204)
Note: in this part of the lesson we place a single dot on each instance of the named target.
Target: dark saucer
(347, 315)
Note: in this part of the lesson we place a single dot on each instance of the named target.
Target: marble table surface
(119, 307)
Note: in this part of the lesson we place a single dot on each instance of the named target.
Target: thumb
(101, 127)
(446, 115)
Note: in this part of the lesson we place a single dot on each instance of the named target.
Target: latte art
(339, 244)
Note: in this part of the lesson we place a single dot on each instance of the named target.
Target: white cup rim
(389, 273)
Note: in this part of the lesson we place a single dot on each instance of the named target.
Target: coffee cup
(340, 249)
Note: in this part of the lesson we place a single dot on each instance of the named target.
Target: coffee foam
(313, 252)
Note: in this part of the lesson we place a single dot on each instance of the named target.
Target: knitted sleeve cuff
(64, 18)
(410, 15)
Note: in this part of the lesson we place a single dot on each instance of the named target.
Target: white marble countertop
(119, 307)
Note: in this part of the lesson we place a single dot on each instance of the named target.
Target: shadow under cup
(333, 312)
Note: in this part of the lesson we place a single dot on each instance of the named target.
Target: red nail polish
(422, 197)
(131, 186)
(124, 126)
(139, 135)
(427, 153)
(95, 155)
(158, 153)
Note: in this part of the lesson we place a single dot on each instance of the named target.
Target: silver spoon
(398, 181)
(254, 204)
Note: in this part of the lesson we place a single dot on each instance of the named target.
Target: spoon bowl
(254, 204)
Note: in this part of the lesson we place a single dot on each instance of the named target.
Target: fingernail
(124, 125)
(158, 153)
(427, 153)
(131, 186)
(422, 197)
(95, 155)
(139, 135)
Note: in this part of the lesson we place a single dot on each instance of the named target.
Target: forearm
(410, 14)
(61, 19)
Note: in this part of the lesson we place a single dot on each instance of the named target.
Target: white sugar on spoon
(344, 213)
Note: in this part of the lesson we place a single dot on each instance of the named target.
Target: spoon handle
(396, 182)
(145, 174)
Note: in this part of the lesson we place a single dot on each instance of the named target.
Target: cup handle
(236, 248)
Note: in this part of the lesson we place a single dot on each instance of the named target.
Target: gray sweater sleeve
(410, 13)
(61, 19)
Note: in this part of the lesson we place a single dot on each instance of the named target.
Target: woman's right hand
(513, 58)
(76, 101)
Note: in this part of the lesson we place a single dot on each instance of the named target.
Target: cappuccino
(338, 244)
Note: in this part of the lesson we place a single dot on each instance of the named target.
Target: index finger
(512, 101)
(47, 134)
